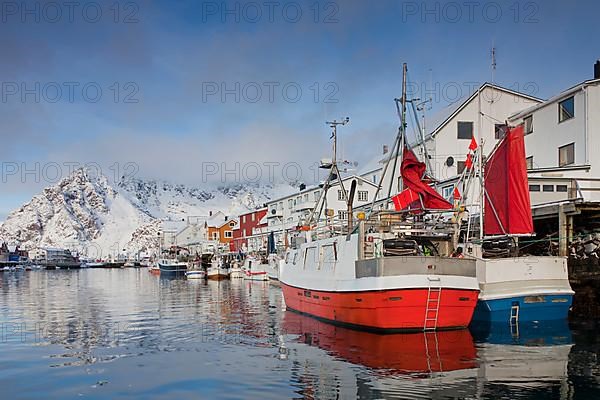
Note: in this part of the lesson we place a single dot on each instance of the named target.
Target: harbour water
(124, 333)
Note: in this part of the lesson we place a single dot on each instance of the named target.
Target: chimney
(385, 149)
(302, 186)
(597, 70)
(210, 213)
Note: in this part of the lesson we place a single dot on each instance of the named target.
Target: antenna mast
(334, 172)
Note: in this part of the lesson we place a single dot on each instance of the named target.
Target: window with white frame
(566, 109)
(228, 234)
(243, 219)
(464, 130)
(253, 217)
(317, 195)
(529, 162)
(342, 215)
(566, 155)
(341, 196)
(528, 124)
(290, 203)
(363, 195)
(215, 235)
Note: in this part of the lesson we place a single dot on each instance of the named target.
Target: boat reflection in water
(422, 352)
(487, 361)
(526, 355)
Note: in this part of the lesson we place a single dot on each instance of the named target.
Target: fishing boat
(217, 270)
(195, 274)
(236, 272)
(154, 269)
(514, 286)
(273, 266)
(195, 270)
(172, 266)
(255, 269)
(392, 272)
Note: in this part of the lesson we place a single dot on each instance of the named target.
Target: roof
(442, 118)
(558, 97)
(313, 188)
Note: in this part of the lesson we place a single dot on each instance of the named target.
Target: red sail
(507, 204)
(412, 171)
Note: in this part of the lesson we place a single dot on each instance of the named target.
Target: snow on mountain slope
(85, 212)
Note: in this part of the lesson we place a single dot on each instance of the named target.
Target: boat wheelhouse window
(566, 155)
(566, 109)
(465, 130)
(447, 191)
(500, 130)
(562, 188)
(460, 167)
(310, 256)
(529, 162)
(548, 188)
(534, 188)
(528, 124)
(363, 195)
(328, 256)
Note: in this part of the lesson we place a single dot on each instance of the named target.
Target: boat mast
(480, 167)
(334, 173)
(400, 143)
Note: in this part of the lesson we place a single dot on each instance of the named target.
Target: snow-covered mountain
(86, 212)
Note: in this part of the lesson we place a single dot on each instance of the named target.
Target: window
(447, 191)
(317, 195)
(341, 196)
(310, 256)
(529, 162)
(246, 232)
(460, 167)
(306, 197)
(548, 188)
(465, 130)
(363, 195)
(290, 203)
(329, 256)
(374, 178)
(534, 188)
(253, 217)
(281, 205)
(228, 234)
(566, 155)
(215, 235)
(566, 109)
(343, 215)
(562, 188)
(231, 224)
(500, 130)
(528, 124)
(243, 219)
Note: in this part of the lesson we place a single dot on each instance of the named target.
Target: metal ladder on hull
(432, 307)
(514, 319)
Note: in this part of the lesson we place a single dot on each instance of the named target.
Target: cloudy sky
(185, 90)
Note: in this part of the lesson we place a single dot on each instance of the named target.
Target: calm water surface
(125, 333)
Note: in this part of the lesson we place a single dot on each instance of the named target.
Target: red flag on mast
(473, 144)
(507, 203)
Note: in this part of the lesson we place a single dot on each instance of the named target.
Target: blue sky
(161, 67)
